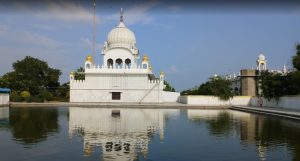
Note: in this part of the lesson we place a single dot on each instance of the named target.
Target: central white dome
(121, 35)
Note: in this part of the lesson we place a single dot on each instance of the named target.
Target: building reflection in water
(4, 117)
(244, 125)
(121, 137)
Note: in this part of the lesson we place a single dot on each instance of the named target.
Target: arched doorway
(128, 63)
(119, 63)
(110, 63)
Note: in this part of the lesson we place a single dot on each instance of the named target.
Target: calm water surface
(145, 134)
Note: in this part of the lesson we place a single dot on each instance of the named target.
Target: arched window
(128, 63)
(145, 66)
(88, 66)
(119, 63)
(110, 63)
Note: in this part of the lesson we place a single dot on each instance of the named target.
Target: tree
(168, 87)
(31, 74)
(79, 74)
(275, 85)
(296, 58)
(216, 86)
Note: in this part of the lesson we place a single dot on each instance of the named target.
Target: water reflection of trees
(278, 131)
(32, 125)
(261, 131)
(222, 125)
(218, 122)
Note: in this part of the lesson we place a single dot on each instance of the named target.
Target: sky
(189, 41)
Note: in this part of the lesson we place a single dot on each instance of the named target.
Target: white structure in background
(121, 137)
(261, 63)
(4, 96)
(120, 78)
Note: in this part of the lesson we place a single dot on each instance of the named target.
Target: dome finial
(121, 15)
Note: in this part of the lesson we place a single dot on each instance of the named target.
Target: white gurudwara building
(122, 77)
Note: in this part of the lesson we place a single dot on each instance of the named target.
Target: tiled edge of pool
(269, 111)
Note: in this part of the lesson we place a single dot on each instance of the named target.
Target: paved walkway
(292, 114)
(171, 105)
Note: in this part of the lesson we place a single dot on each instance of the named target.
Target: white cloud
(174, 8)
(61, 10)
(28, 38)
(138, 13)
(88, 44)
(172, 69)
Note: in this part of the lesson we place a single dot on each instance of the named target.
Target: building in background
(4, 96)
(246, 83)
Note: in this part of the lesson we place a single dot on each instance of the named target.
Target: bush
(15, 97)
(30, 99)
(39, 98)
(47, 96)
(25, 94)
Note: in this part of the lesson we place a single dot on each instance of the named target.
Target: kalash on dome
(122, 77)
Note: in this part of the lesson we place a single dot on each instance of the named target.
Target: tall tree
(168, 87)
(31, 74)
(296, 58)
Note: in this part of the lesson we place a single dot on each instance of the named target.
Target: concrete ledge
(115, 105)
(269, 111)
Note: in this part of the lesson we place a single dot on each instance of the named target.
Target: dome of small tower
(261, 57)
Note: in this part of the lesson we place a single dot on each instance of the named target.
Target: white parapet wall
(201, 100)
(4, 99)
(170, 96)
(288, 102)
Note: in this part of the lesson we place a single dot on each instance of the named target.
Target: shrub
(47, 96)
(30, 99)
(25, 94)
(39, 98)
(15, 97)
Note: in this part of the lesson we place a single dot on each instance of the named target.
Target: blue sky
(188, 44)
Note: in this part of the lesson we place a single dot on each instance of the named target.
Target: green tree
(275, 85)
(168, 87)
(296, 58)
(31, 74)
(62, 92)
(79, 74)
(216, 86)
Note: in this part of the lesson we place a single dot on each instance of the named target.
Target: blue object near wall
(4, 90)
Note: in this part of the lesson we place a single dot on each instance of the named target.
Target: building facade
(122, 77)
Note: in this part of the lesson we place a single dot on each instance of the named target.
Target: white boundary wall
(4, 99)
(214, 101)
(288, 102)
(170, 96)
